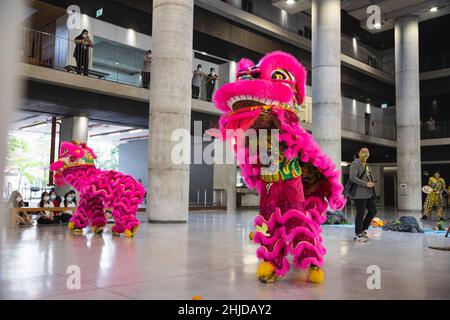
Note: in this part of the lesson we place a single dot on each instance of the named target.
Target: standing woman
(70, 201)
(364, 194)
(16, 201)
(46, 217)
(81, 52)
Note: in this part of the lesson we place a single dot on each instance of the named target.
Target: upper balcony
(297, 27)
(118, 69)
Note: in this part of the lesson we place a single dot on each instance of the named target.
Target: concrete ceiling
(394, 9)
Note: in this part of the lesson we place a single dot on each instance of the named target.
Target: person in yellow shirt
(435, 198)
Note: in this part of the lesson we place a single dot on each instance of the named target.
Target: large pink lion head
(276, 82)
(72, 154)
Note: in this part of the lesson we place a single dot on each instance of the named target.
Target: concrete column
(408, 113)
(10, 15)
(74, 128)
(326, 77)
(170, 109)
(231, 187)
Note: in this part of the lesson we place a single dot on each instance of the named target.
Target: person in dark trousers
(211, 83)
(197, 81)
(81, 52)
(146, 69)
(364, 194)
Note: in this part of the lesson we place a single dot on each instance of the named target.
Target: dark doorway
(390, 199)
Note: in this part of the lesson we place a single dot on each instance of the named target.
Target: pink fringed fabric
(290, 212)
(98, 190)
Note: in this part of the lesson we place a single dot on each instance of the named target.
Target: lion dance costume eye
(99, 190)
(295, 195)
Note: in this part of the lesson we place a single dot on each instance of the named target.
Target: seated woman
(56, 203)
(16, 201)
(46, 217)
(70, 201)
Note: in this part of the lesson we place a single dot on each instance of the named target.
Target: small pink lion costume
(294, 197)
(99, 190)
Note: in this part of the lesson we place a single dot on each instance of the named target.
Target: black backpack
(350, 187)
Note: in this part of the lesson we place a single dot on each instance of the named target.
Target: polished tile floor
(211, 256)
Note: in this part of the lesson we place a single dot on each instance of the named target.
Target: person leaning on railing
(16, 201)
(81, 52)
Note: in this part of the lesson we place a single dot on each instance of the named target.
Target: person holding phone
(364, 194)
(81, 52)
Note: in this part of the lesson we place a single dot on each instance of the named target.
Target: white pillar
(10, 15)
(74, 128)
(170, 109)
(231, 187)
(408, 113)
(326, 77)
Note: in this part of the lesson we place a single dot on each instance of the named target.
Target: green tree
(20, 160)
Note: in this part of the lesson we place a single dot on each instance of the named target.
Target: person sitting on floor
(46, 217)
(56, 199)
(70, 201)
(16, 201)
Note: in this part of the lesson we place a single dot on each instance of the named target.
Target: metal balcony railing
(297, 24)
(442, 131)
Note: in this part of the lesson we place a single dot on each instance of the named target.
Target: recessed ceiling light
(290, 1)
(377, 25)
(135, 131)
(433, 9)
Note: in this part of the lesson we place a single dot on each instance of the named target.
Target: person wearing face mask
(435, 197)
(70, 201)
(81, 52)
(211, 83)
(146, 69)
(56, 203)
(46, 217)
(16, 201)
(363, 195)
(197, 81)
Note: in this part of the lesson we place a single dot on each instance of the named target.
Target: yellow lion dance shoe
(316, 275)
(266, 272)
(97, 230)
(74, 229)
(130, 233)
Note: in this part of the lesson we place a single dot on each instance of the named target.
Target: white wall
(133, 159)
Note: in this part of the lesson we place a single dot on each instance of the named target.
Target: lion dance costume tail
(295, 196)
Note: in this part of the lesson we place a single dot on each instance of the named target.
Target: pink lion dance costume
(99, 190)
(294, 198)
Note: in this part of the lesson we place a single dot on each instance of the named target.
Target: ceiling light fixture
(377, 25)
(433, 9)
(290, 1)
(135, 131)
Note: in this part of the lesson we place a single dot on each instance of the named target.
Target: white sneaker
(360, 238)
(366, 235)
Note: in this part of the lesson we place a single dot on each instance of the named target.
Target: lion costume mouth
(241, 102)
